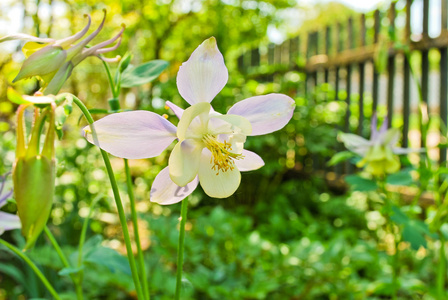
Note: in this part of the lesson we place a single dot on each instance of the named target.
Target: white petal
(184, 161)
(221, 185)
(164, 191)
(390, 137)
(355, 143)
(250, 161)
(185, 128)
(203, 75)
(228, 124)
(9, 221)
(397, 150)
(176, 109)
(266, 113)
(134, 134)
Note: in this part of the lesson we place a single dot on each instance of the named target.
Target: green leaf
(340, 157)
(399, 216)
(108, 258)
(401, 178)
(68, 271)
(147, 72)
(358, 183)
(412, 234)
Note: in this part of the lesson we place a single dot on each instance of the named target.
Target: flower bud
(34, 174)
(53, 63)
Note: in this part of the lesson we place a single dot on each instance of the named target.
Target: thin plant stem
(33, 267)
(140, 257)
(395, 264)
(441, 270)
(180, 248)
(111, 81)
(82, 239)
(76, 280)
(117, 198)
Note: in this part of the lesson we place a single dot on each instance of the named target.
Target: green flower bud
(34, 174)
(42, 62)
(53, 62)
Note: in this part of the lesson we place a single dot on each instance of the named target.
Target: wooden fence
(334, 53)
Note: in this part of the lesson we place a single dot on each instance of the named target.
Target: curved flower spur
(54, 61)
(210, 148)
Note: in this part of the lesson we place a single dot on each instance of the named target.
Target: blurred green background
(285, 234)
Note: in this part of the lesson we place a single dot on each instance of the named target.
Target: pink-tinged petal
(9, 222)
(203, 75)
(266, 113)
(355, 143)
(227, 124)
(250, 161)
(133, 135)
(176, 109)
(184, 161)
(164, 191)
(217, 185)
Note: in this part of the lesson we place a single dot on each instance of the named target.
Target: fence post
(391, 69)
(406, 77)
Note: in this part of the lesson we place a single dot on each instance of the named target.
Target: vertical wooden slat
(349, 75)
(406, 78)
(337, 69)
(339, 168)
(327, 49)
(293, 51)
(255, 57)
(376, 75)
(348, 167)
(425, 61)
(361, 70)
(391, 71)
(271, 47)
(443, 79)
(241, 63)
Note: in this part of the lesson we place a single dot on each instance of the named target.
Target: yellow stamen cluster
(222, 158)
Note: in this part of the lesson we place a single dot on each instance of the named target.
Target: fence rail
(339, 50)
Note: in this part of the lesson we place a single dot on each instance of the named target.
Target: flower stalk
(118, 201)
(180, 248)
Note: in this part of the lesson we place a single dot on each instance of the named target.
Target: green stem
(32, 266)
(76, 281)
(395, 264)
(441, 271)
(141, 260)
(111, 81)
(180, 248)
(117, 198)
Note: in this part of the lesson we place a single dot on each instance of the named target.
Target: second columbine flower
(210, 148)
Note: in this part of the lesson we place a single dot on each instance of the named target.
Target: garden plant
(98, 151)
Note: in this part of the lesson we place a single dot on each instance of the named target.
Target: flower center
(222, 158)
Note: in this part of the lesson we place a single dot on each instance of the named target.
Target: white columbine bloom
(210, 148)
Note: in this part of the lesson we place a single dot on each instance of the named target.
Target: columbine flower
(210, 148)
(54, 60)
(379, 154)
(7, 221)
(34, 173)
